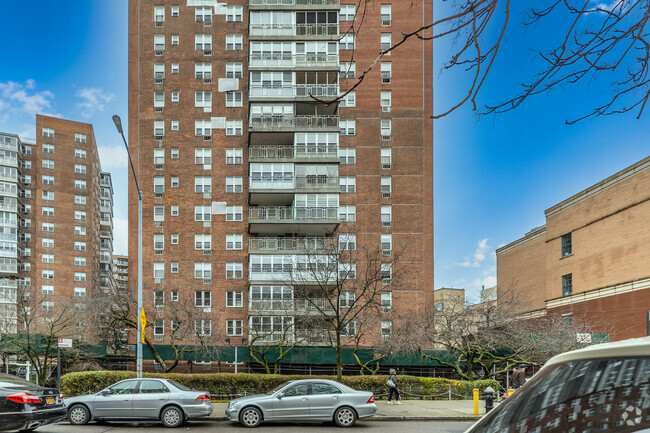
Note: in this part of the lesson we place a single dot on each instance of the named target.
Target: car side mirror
(280, 395)
(104, 392)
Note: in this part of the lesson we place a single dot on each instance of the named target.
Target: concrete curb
(386, 418)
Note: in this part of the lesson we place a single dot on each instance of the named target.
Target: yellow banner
(143, 324)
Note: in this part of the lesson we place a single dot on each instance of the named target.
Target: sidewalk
(409, 410)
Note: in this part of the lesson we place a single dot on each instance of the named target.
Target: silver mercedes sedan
(304, 400)
(141, 399)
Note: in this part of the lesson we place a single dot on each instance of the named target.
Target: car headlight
(234, 405)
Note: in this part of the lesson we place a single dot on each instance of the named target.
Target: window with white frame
(80, 276)
(348, 213)
(159, 14)
(347, 12)
(159, 44)
(175, 70)
(47, 243)
(349, 329)
(79, 230)
(47, 305)
(234, 70)
(234, 299)
(48, 132)
(159, 72)
(348, 127)
(202, 241)
(80, 215)
(47, 195)
(234, 127)
(80, 246)
(347, 70)
(47, 227)
(202, 270)
(159, 213)
(175, 39)
(159, 158)
(158, 270)
(174, 182)
(203, 327)
(158, 242)
(234, 328)
(202, 213)
(234, 13)
(203, 42)
(386, 158)
(386, 69)
(386, 42)
(234, 241)
(234, 213)
(386, 15)
(202, 184)
(234, 156)
(80, 291)
(386, 273)
(348, 155)
(47, 211)
(80, 168)
(386, 215)
(386, 100)
(80, 261)
(348, 183)
(80, 199)
(173, 238)
(347, 299)
(80, 153)
(234, 42)
(48, 164)
(349, 100)
(233, 99)
(203, 128)
(158, 298)
(347, 271)
(386, 186)
(234, 184)
(174, 125)
(159, 327)
(346, 42)
(47, 258)
(386, 328)
(48, 148)
(158, 128)
(386, 301)
(174, 154)
(347, 241)
(203, 99)
(202, 298)
(386, 244)
(203, 13)
(173, 268)
(174, 210)
(47, 290)
(158, 99)
(386, 129)
(174, 11)
(79, 184)
(203, 71)
(202, 156)
(234, 271)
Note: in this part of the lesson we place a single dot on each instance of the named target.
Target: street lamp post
(118, 125)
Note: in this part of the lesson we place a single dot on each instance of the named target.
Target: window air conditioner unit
(385, 108)
(157, 280)
(207, 252)
(385, 223)
(159, 52)
(158, 337)
(385, 22)
(385, 195)
(207, 81)
(158, 137)
(158, 109)
(159, 166)
(385, 252)
(207, 52)
(207, 281)
(207, 138)
(385, 137)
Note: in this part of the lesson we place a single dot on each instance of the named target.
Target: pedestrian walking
(518, 377)
(392, 387)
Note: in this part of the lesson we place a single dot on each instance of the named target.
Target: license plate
(49, 400)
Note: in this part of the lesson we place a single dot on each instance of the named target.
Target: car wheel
(79, 415)
(250, 417)
(345, 417)
(172, 417)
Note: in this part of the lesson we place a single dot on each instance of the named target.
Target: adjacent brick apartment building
(121, 272)
(56, 221)
(243, 163)
(590, 263)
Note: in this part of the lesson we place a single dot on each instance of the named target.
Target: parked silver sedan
(141, 399)
(304, 400)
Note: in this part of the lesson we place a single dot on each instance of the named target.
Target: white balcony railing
(297, 182)
(264, 121)
(288, 213)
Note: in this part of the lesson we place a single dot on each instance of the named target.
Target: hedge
(231, 385)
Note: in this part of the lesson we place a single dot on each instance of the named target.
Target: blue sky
(494, 176)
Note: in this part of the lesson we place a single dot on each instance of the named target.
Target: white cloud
(24, 97)
(608, 5)
(120, 236)
(93, 99)
(479, 256)
(113, 157)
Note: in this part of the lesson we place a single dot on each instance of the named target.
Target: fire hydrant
(489, 399)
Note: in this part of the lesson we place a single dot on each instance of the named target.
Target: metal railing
(289, 152)
(295, 90)
(317, 243)
(292, 2)
(317, 29)
(280, 213)
(264, 121)
(297, 182)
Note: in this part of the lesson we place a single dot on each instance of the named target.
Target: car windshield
(179, 386)
(278, 388)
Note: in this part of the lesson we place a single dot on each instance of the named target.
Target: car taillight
(203, 397)
(61, 396)
(371, 399)
(24, 398)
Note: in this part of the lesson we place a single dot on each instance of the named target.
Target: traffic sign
(65, 342)
(143, 324)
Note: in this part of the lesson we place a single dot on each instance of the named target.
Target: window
(348, 155)
(80, 153)
(386, 328)
(386, 72)
(234, 242)
(347, 70)
(347, 242)
(234, 184)
(158, 329)
(203, 327)
(173, 238)
(80, 276)
(80, 291)
(159, 44)
(48, 163)
(349, 330)
(348, 184)
(47, 195)
(348, 127)
(203, 156)
(234, 70)
(47, 258)
(234, 299)
(175, 71)
(386, 186)
(158, 242)
(202, 241)
(567, 320)
(80, 246)
(159, 100)
(234, 156)
(386, 15)
(158, 129)
(174, 126)
(234, 13)
(349, 100)
(159, 14)
(386, 158)
(203, 14)
(234, 328)
(347, 12)
(159, 158)
(347, 299)
(175, 39)
(173, 210)
(386, 100)
(567, 285)
(48, 149)
(79, 184)
(386, 129)
(80, 199)
(174, 152)
(386, 273)
(203, 42)
(234, 213)
(158, 271)
(234, 271)
(386, 215)
(203, 99)
(233, 99)
(174, 182)
(203, 128)
(47, 227)
(202, 270)
(174, 11)
(202, 298)
(80, 261)
(47, 274)
(158, 185)
(80, 215)
(234, 42)
(159, 72)
(80, 230)
(346, 42)
(386, 42)
(47, 211)
(202, 184)
(203, 71)
(48, 305)
(159, 213)
(567, 248)
(47, 243)
(202, 213)
(386, 244)
(48, 132)
(386, 302)
(234, 127)
(348, 213)
(174, 296)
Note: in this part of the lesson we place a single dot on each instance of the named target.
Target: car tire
(172, 417)
(78, 415)
(250, 417)
(345, 417)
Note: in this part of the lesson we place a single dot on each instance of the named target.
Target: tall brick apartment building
(56, 216)
(590, 264)
(243, 162)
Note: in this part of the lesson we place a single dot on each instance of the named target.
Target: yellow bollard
(475, 401)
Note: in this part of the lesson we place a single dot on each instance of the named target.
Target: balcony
(303, 4)
(302, 31)
(8, 207)
(297, 244)
(284, 92)
(298, 153)
(10, 190)
(285, 60)
(270, 190)
(8, 161)
(287, 219)
(282, 123)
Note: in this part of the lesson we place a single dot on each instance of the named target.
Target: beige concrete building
(121, 272)
(448, 298)
(590, 263)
